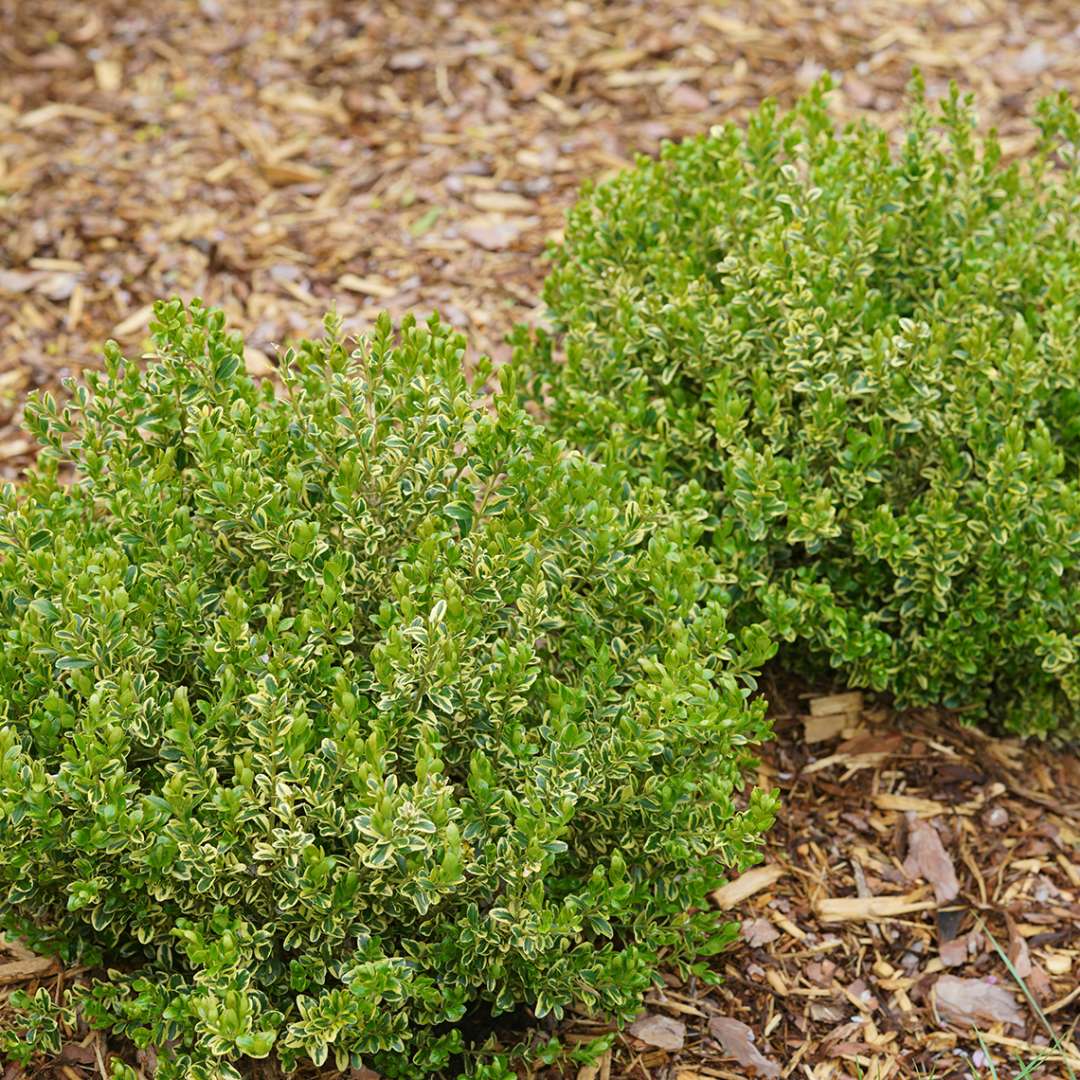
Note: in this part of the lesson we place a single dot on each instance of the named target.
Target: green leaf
(73, 663)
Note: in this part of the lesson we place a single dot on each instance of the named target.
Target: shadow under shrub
(861, 365)
(328, 716)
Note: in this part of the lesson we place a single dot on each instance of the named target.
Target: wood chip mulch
(279, 157)
(917, 914)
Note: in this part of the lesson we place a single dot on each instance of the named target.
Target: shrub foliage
(335, 716)
(862, 365)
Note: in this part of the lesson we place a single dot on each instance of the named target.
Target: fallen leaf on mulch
(1038, 982)
(820, 972)
(738, 1042)
(957, 951)
(758, 932)
(76, 1054)
(660, 1031)
(928, 859)
(969, 1002)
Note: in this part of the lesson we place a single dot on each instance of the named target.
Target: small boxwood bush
(862, 365)
(338, 718)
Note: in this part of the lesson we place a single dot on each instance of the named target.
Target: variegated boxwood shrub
(860, 362)
(339, 716)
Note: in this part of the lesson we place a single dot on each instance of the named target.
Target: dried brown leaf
(959, 950)
(76, 1054)
(758, 932)
(820, 972)
(972, 1002)
(928, 859)
(663, 1032)
(738, 1042)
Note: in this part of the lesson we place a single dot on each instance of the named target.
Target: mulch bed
(280, 156)
(859, 960)
(276, 158)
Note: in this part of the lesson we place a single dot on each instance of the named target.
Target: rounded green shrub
(859, 364)
(339, 716)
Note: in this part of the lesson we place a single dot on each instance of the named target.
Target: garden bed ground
(847, 935)
(276, 158)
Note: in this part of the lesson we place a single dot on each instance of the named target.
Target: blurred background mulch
(279, 157)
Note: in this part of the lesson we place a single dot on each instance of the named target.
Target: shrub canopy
(862, 366)
(331, 717)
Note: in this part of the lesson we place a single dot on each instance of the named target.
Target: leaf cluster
(856, 361)
(335, 712)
